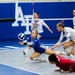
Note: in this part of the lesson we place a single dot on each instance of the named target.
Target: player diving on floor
(34, 42)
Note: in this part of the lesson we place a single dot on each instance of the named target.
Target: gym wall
(47, 10)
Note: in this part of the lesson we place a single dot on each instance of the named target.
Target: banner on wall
(23, 12)
(26, 20)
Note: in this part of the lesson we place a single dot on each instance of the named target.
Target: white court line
(8, 47)
(11, 47)
(2, 48)
(14, 47)
(21, 69)
(49, 44)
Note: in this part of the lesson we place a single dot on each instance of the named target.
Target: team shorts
(40, 50)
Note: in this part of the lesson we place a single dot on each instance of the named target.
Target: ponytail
(61, 24)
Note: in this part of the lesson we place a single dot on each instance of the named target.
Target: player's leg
(49, 51)
(25, 51)
(73, 50)
(36, 57)
(66, 49)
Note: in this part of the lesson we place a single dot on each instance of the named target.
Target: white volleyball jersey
(69, 33)
(39, 25)
(74, 20)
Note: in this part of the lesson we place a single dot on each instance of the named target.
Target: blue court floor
(13, 62)
(7, 70)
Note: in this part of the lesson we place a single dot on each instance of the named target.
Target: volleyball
(21, 36)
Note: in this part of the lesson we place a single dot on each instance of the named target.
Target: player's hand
(52, 48)
(51, 31)
(57, 45)
(57, 70)
(21, 43)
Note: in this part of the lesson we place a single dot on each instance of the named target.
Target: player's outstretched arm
(58, 70)
(21, 43)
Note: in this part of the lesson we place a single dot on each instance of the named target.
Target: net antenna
(16, 9)
(33, 8)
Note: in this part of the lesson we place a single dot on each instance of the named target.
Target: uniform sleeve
(71, 63)
(61, 38)
(66, 62)
(68, 36)
(74, 21)
(43, 23)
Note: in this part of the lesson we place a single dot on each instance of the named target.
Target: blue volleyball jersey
(28, 39)
(36, 45)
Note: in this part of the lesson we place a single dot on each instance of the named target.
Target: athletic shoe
(40, 59)
(24, 53)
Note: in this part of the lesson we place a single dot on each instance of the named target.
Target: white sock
(34, 59)
(71, 57)
(68, 51)
(39, 59)
(26, 50)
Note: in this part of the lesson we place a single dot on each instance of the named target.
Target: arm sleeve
(61, 38)
(33, 43)
(25, 42)
(28, 39)
(30, 44)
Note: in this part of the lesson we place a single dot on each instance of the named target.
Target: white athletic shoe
(73, 57)
(40, 59)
